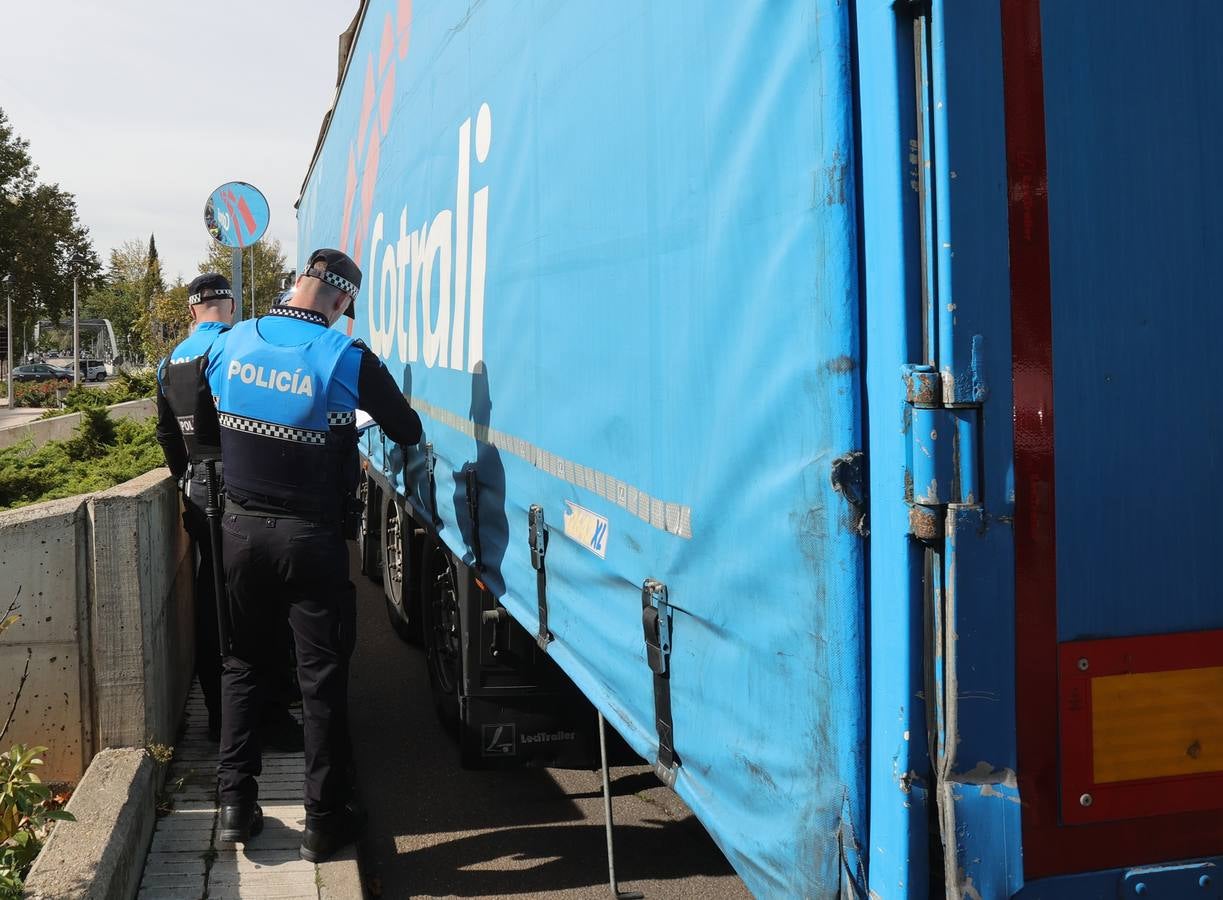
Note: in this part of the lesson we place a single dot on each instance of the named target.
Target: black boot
(322, 844)
(240, 823)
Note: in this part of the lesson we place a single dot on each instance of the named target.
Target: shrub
(100, 454)
(27, 810)
(27, 807)
(37, 393)
(127, 386)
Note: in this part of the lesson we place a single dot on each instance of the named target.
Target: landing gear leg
(610, 825)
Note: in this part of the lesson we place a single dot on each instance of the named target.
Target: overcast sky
(141, 108)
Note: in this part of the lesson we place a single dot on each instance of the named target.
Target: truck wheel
(369, 531)
(396, 566)
(442, 632)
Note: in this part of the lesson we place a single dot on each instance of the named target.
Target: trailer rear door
(1115, 148)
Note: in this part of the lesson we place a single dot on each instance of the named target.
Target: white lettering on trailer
(455, 241)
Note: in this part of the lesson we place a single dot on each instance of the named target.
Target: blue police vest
(283, 448)
(185, 387)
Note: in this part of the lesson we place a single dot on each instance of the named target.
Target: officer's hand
(397, 458)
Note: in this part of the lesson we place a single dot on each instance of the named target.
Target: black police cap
(209, 286)
(337, 269)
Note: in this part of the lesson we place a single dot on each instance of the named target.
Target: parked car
(93, 370)
(41, 372)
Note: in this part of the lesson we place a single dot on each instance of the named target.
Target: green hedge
(101, 453)
(37, 393)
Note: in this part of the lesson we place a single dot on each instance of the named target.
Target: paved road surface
(438, 831)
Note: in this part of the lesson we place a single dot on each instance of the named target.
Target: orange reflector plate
(1141, 726)
(1157, 724)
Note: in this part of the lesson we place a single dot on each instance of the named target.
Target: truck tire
(396, 566)
(369, 540)
(443, 632)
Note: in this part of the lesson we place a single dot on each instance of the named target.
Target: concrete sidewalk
(186, 862)
(21, 415)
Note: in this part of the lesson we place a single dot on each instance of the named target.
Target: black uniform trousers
(207, 643)
(270, 562)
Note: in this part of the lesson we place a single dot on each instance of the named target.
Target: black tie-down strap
(431, 480)
(471, 482)
(538, 537)
(656, 625)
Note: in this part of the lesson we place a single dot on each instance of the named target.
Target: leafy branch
(10, 618)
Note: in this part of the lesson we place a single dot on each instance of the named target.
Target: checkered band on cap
(209, 294)
(271, 429)
(341, 418)
(336, 281)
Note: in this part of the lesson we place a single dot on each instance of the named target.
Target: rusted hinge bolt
(1083, 664)
(1086, 800)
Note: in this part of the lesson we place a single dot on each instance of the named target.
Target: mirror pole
(235, 282)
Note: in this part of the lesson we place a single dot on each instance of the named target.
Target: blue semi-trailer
(739, 331)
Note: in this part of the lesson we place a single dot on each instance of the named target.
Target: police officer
(188, 434)
(286, 387)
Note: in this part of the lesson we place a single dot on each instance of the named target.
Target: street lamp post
(9, 331)
(76, 338)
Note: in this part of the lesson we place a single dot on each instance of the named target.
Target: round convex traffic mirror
(236, 214)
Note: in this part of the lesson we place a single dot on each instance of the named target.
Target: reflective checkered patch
(293, 312)
(334, 280)
(341, 418)
(209, 294)
(272, 430)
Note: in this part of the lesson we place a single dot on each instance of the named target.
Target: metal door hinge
(656, 626)
(943, 453)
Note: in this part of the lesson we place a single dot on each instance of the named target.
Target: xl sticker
(587, 528)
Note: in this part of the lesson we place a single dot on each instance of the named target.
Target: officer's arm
(170, 436)
(378, 395)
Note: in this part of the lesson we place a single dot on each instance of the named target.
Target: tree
(154, 286)
(123, 296)
(43, 245)
(166, 322)
(270, 264)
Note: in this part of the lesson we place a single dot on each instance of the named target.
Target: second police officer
(187, 433)
(286, 387)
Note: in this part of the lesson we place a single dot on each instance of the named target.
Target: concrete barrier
(100, 856)
(40, 431)
(106, 621)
